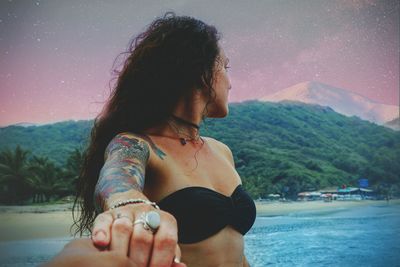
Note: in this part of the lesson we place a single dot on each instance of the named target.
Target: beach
(338, 233)
(284, 208)
(35, 222)
(54, 221)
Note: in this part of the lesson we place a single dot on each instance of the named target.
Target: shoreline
(266, 209)
(54, 221)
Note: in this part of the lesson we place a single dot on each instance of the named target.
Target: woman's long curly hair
(172, 57)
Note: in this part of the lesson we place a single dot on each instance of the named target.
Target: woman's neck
(184, 121)
(188, 115)
(184, 129)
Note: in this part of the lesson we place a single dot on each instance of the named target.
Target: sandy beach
(34, 222)
(52, 221)
(283, 208)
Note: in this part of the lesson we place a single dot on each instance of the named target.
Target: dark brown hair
(172, 57)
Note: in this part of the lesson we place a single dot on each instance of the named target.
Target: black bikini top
(202, 212)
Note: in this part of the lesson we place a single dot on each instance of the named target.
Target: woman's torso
(210, 167)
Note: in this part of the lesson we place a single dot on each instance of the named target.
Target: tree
(45, 180)
(73, 167)
(13, 174)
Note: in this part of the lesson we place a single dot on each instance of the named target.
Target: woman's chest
(186, 167)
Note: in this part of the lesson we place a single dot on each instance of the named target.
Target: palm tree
(13, 173)
(45, 179)
(38, 161)
(73, 166)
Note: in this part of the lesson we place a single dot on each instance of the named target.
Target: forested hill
(55, 141)
(306, 147)
(278, 147)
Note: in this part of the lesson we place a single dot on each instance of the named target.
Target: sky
(56, 57)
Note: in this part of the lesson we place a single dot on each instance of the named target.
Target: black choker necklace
(188, 123)
(185, 122)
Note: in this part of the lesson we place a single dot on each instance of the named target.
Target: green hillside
(54, 141)
(306, 147)
(278, 147)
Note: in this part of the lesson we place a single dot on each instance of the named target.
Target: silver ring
(140, 221)
(150, 220)
(119, 216)
(176, 260)
(153, 220)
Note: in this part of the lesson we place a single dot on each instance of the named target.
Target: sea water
(358, 236)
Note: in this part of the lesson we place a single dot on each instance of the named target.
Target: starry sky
(56, 57)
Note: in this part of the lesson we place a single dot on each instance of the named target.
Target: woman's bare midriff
(224, 249)
(209, 167)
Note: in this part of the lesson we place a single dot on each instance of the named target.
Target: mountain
(394, 124)
(275, 146)
(342, 101)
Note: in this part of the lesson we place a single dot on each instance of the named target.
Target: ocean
(357, 236)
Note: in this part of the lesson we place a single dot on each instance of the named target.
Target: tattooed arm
(123, 177)
(123, 173)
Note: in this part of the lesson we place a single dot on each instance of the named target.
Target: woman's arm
(122, 177)
(123, 173)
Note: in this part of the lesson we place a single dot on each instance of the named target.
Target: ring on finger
(176, 260)
(150, 221)
(119, 216)
(145, 225)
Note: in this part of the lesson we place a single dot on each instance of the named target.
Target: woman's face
(218, 108)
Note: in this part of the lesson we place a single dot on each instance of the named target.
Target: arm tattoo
(155, 148)
(123, 170)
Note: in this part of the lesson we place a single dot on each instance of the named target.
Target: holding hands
(137, 229)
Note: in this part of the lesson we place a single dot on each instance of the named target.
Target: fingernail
(100, 235)
(176, 260)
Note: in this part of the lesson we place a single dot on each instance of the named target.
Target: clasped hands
(115, 231)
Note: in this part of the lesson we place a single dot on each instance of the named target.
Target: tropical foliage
(280, 148)
(37, 179)
(290, 147)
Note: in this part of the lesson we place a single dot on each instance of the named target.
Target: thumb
(177, 260)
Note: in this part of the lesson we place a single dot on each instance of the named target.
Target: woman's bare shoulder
(132, 135)
(144, 140)
(126, 140)
(215, 142)
(220, 146)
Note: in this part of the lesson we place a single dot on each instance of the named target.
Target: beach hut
(349, 193)
(328, 197)
(355, 193)
(307, 196)
(303, 196)
(330, 190)
(367, 193)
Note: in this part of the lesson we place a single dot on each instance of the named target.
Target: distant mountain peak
(394, 124)
(341, 100)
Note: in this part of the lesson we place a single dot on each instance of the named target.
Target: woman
(146, 153)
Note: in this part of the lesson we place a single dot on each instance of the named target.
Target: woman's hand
(115, 231)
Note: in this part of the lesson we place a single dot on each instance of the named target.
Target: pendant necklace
(184, 140)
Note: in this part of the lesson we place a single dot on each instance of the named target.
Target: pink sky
(56, 56)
